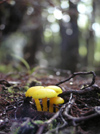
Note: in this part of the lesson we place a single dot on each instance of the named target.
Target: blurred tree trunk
(70, 44)
(11, 17)
(35, 39)
(90, 40)
(33, 45)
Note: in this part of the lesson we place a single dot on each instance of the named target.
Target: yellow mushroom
(57, 101)
(57, 89)
(31, 90)
(30, 93)
(40, 92)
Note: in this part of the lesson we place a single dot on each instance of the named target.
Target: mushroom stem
(56, 101)
(38, 106)
(44, 102)
(50, 107)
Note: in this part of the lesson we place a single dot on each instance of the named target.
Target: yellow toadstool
(30, 93)
(57, 101)
(40, 92)
(57, 89)
(31, 90)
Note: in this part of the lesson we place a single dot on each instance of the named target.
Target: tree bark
(70, 44)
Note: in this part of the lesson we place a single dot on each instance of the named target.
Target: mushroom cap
(31, 90)
(57, 89)
(56, 100)
(40, 92)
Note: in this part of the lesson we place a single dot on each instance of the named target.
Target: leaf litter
(79, 114)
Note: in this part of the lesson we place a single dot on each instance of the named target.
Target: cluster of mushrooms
(45, 93)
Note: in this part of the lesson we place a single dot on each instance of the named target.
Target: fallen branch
(81, 92)
(80, 73)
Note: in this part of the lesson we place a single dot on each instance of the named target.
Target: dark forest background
(52, 33)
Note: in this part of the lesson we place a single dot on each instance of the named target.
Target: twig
(80, 73)
(4, 82)
(81, 92)
(58, 114)
(76, 120)
(46, 123)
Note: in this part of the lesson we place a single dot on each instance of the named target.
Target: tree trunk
(33, 45)
(70, 44)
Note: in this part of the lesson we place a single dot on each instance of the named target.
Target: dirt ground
(79, 114)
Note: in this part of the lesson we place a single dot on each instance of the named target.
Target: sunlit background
(45, 24)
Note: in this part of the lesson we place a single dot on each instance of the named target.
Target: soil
(79, 114)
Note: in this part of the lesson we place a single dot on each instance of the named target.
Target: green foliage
(6, 68)
(10, 90)
(17, 130)
(38, 122)
(28, 126)
(52, 125)
(22, 60)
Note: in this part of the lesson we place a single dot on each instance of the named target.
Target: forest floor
(80, 113)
